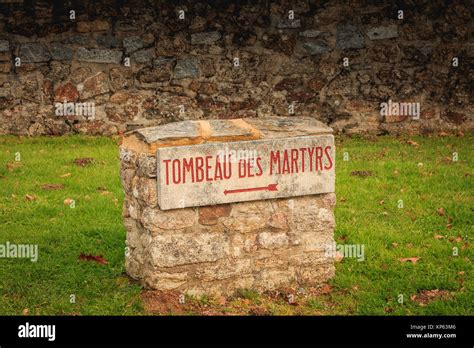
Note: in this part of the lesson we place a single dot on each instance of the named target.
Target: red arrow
(270, 187)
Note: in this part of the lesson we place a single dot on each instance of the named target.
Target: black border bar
(196, 330)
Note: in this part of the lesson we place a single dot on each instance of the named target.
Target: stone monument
(218, 205)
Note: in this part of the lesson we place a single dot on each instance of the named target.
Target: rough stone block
(181, 249)
(4, 46)
(316, 47)
(95, 85)
(132, 44)
(66, 92)
(211, 214)
(108, 41)
(93, 26)
(156, 220)
(188, 67)
(382, 33)
(60, 51)
(142, 56)
(99, 56)
(289, 24)
(34, 52)
(271, 240)
(205, 38)
(311, 33)
(349, 37)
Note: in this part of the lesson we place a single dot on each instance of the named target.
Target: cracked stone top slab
(205, 131)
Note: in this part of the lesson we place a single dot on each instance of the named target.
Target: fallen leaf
(409, 259)
(465, 246)
(448, 226)
(82, 162)
(438, 236)
(339, 256)
(382, 202)
(411, 215)
(52, 186)
(68, 201)
(326, 289)
(426, 296)
(30, 197)
(343, 199)
(105, 193)
(394, 244)
(91, 257)
(427, 174)
(413, 143)
(13, 165)
(65, 175)
(26, 311)
(441, 211)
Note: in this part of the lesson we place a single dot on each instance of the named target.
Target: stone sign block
(218, 173)
(260, 218)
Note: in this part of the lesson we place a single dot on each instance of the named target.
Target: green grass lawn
(368, 212)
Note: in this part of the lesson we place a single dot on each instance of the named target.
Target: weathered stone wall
(185, 69)
(261, 245)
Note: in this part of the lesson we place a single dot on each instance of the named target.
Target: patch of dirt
(163, 302)
(362, 173)
(171, 302)
(13, 165)
(52, 186)
(82, 162)
(258, 311)
(426, 296)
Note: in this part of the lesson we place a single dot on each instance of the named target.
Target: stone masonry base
(260, 245)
